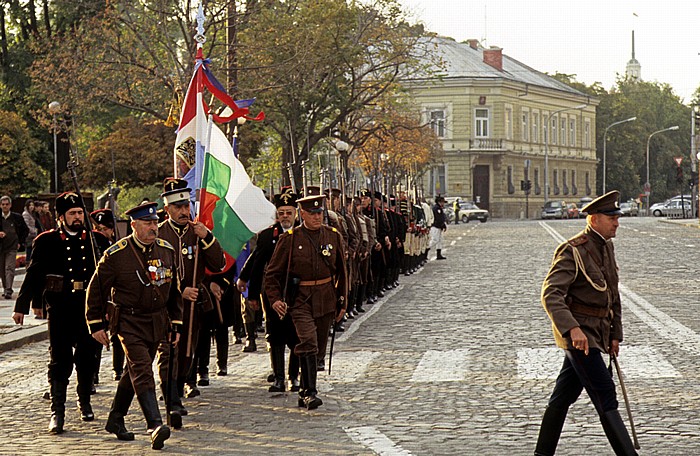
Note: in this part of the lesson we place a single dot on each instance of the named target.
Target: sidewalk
(13, 336)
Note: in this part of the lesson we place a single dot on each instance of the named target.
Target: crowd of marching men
(372, 239)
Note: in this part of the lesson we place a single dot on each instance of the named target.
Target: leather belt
(598, 312)
(311, 283)
(135, 311)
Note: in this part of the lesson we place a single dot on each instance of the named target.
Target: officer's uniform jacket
(60, 270)
(185, 242)
(253, 270)
(439, 220)
(581, 289)
(308, 250)
(137, 287)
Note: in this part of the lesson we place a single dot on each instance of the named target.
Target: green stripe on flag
(229, 229)
(218, 176)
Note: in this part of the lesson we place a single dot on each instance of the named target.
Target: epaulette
(289, 231)
(122, 243)
(333, 229)
(164, 243)
(578, 240)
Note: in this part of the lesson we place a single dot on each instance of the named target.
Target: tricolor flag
(230, 205)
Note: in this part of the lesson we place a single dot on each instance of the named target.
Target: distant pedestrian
(48, 222)
(32, 221)
(455, 208)
(13, 233)
(580, 295)
(438, 227)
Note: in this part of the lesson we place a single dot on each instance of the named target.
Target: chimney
(474, 44)
(494, 57)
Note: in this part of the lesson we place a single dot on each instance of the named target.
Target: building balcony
(485, 144)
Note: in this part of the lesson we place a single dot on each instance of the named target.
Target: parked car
(470, 211)
(582, 202)
(554, 209)
(662, 209)
(629, 209)
(572, 211)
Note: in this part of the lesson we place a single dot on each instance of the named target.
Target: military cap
(363, 192)
(313, 190)
(439, 199)
(103, 217)
(143, 212)
(312, 203)
(67, 201)
(175, 191)
(286, 198)
(392, 200)
(607, 204)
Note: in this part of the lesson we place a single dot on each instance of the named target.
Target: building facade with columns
(501, 122)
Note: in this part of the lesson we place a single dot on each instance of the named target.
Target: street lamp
(605, 137)
(55, 108)
(546, 146)
(647, 185)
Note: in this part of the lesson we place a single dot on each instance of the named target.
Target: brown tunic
(570, 299)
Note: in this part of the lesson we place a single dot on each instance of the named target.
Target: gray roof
(462, 61)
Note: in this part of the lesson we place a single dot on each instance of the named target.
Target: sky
(590, 39)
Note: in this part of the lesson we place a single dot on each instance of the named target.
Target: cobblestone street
(459, 360)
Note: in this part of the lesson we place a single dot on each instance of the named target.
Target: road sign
(679, 160)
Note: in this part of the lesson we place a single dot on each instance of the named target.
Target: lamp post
(546, 146)
(647, 185)
(55, 108)
(605, 137)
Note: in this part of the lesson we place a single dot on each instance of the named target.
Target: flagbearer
(135, 286)
(189, 239)
(312, 257)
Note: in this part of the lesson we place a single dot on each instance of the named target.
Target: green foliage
(19, 172)
(132, 196)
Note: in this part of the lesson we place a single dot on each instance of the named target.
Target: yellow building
(493, 115)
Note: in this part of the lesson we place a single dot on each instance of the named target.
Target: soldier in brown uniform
(311, 255)
(581, 297)
(135, 287)
(189, 239)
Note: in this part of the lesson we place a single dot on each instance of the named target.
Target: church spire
(634, 68)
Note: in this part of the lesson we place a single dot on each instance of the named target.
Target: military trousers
(279, 331)
(68, 331)
(584, 372)
(312, 332)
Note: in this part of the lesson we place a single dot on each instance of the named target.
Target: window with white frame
(562, 124)
(481, 123)
(587, 133)
(525, 124)
(535, 127)
(553, 130)
(572, 132)
(437, 122)
(509, 122)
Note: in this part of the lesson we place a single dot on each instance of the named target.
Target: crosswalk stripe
(370, 437)
(635, 362)
(442, 366)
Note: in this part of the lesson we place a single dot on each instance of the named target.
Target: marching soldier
(306, 277)
(189, 239)
(62, 264)
(580, 295)
(438, 227)
(136, 286)
(280, 332)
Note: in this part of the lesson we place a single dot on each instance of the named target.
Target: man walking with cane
(580, 295)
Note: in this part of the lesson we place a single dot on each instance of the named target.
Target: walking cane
(613, 357)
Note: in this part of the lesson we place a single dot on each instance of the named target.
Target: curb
(23, 336)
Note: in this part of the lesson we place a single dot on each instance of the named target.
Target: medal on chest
(158, 273)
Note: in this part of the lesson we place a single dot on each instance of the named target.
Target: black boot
(277, 359)
(83, 390)
(617, 433)
(439, 255)
(221, 351)
(177, 410)
(250, 338)
(293, 372)
(120, 407)
(203, 377)
(159, 432)
(550, 430)
(58, 407)
(308, 373)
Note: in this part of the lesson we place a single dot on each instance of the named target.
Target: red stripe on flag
(207, 204)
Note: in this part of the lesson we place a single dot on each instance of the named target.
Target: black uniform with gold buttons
(61, 266)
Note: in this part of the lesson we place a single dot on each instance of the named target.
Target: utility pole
(231, 58)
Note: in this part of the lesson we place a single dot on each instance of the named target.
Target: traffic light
(693, 181)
